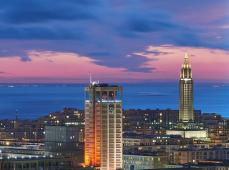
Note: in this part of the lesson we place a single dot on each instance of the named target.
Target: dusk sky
(115, 40)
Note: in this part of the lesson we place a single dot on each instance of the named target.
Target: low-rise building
(62, 138)
(32, 162)
(133, 139)
(198, 134)
(31, 158)
(136, 160)
(195, 155)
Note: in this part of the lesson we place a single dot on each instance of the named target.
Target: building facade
(141, 161)
(103, 126)
(62, 138)
(195, 155)
(196, 134)
(34, 163)
(186, 92)
(150, 121)
(31, 157)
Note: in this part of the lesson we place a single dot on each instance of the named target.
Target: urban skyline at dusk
(117, 41)
(114, 85)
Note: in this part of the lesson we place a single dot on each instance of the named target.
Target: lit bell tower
(186, 92)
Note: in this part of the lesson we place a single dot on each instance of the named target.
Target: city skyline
(114, 85)
(131, 41)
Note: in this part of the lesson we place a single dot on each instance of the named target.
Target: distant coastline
(38, 99)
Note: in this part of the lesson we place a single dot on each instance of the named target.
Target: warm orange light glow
(103, 127)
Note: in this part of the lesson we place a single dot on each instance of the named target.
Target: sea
(30, 101)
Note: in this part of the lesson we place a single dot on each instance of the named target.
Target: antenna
(90, 79)
(93, 82)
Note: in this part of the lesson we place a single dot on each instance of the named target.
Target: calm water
(33, 101)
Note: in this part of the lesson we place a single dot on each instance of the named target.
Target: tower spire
(186, 58)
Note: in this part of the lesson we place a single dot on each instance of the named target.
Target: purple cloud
(108, 31)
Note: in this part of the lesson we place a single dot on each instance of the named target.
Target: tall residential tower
(103, 126)
(186, 92)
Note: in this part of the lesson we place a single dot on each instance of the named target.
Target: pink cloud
(49, 66)
(207, 64)
(57, 67)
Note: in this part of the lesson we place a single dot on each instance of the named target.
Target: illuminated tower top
(186, 71)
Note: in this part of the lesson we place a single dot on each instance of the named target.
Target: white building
(198, 134)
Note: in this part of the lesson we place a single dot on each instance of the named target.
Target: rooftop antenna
(90, 79)
(93, 82)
